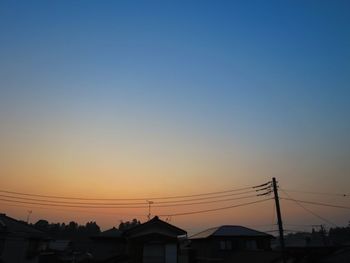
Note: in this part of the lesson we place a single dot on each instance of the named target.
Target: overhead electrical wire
(217, 209)
(203, 198)
(318, 193)
(27, 199)
(316, 203)
(46, 201)
(309, 210)
(65, 205)
(209, 202)
(121, 204)
(69, 210)
(126, 199)
(87, 205)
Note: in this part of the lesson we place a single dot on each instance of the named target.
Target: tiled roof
(155, 221)
(228, 230)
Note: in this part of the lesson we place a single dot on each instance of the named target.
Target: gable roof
(113, 232)
(13, 226)
(155, 222)
(229, 230)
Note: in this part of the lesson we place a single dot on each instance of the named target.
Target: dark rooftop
(13, 226)
(113, 232)
(229, 230)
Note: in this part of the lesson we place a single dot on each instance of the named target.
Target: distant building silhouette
(232, 244)
(155, 241)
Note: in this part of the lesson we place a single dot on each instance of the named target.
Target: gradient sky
(157, 98)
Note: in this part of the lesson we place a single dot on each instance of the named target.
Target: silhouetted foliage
(340, 235)
(335, 236)
(72, 229)
(123, 226)
(42, 224)
(92, 228)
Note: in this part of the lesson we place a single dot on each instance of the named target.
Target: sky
(129, 99)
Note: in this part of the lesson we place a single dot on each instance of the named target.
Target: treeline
(340, 235)
(334, 236)
(63, 230)
(73, 229)
(123, 226)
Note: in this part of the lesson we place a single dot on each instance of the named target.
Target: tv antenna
(28, 215)
(149, 208)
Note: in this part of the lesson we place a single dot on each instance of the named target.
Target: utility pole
(279, 219)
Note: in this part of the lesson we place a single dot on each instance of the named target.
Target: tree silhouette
(123, 226)
(72, 229)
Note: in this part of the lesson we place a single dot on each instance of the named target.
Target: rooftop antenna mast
(28, 215)
(149, 209)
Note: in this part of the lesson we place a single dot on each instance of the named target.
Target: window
(222, 245)
(225, 245)
(251, 245)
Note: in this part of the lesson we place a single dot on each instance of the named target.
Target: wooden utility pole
(279, 219)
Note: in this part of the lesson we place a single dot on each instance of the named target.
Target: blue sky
(243, 56)
(270, 76)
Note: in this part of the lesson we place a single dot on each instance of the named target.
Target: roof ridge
(154, 220)
(223, 230)
(205, 230)
(24, 224)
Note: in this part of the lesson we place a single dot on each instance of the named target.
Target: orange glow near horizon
(146, 171)
(112, 99)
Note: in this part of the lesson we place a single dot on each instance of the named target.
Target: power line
(127, 199)
(87, 205)
(316, 203)
(13, 198)
(208, 202)
(68, 210)
(64, 205)
(204, 198)
(122, 204)
(64, 202)
(216, 209)
(318, 193)
(309, 210)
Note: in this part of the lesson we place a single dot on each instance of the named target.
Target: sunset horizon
(118, 110)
